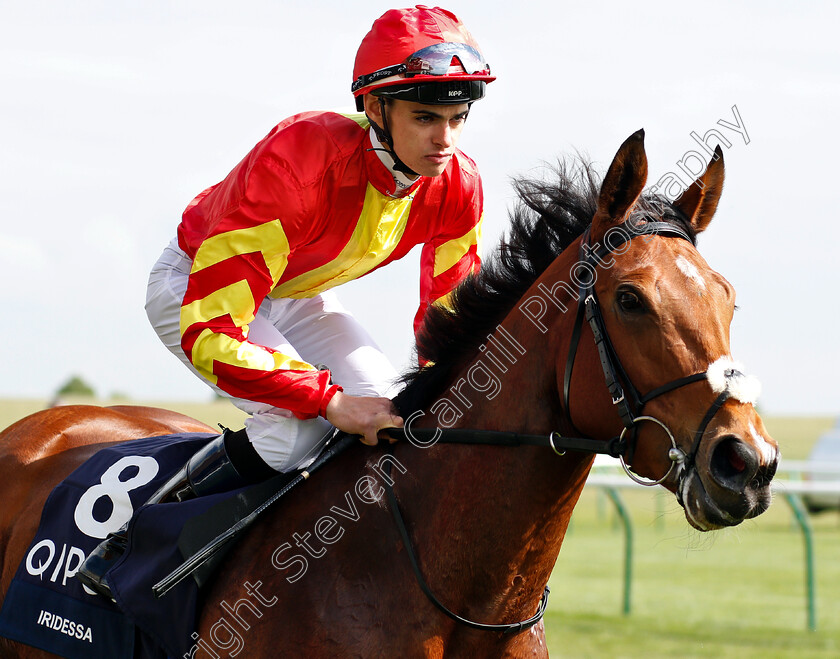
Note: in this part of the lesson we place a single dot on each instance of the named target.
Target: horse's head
(666, 314)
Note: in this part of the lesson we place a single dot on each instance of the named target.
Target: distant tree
(75, 386)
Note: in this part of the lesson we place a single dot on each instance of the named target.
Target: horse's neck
(490, 521)
(496, 517)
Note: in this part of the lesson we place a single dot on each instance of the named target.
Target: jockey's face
(425, 136)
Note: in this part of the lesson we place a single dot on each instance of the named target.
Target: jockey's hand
(363, 415)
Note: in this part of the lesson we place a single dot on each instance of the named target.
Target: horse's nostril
(736, 461)
(733, 463)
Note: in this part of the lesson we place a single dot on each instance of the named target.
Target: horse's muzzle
(735, 485)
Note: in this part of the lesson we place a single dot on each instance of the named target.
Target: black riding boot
(208, 471)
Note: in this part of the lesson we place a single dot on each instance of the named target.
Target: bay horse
(523, 348)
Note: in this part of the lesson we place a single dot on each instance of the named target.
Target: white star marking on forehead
(690, 271)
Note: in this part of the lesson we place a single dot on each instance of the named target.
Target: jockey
(242, 295)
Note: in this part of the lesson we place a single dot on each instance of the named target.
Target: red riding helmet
(421, 54)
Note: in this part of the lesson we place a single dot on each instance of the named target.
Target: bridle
(628, 401)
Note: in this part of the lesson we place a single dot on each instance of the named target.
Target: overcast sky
(115, 114)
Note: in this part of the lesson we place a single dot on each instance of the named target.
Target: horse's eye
(630, 301)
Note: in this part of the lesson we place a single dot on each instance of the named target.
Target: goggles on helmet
(434, 60)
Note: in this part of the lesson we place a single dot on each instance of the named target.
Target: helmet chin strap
(383, 134)
(402, 182)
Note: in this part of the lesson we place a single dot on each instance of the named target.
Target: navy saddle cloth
(47, 607)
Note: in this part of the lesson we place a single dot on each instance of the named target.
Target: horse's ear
(699, 201)
(622, 185)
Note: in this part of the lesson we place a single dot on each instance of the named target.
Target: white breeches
(317, 330)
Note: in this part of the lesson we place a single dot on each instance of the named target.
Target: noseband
(626, 398)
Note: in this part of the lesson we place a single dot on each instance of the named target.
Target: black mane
(549, 216)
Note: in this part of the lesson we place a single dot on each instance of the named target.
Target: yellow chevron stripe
(268, 238)
(377, 233)
(452, 251)
(359, 117)
(224, 349)
(218, 303)
(444, 301)
(203, 364)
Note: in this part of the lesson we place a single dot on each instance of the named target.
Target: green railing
(791, 489)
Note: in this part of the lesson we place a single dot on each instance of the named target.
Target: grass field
(734, 593)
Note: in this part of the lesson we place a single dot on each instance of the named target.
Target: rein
(505, 628)
(426, 437)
